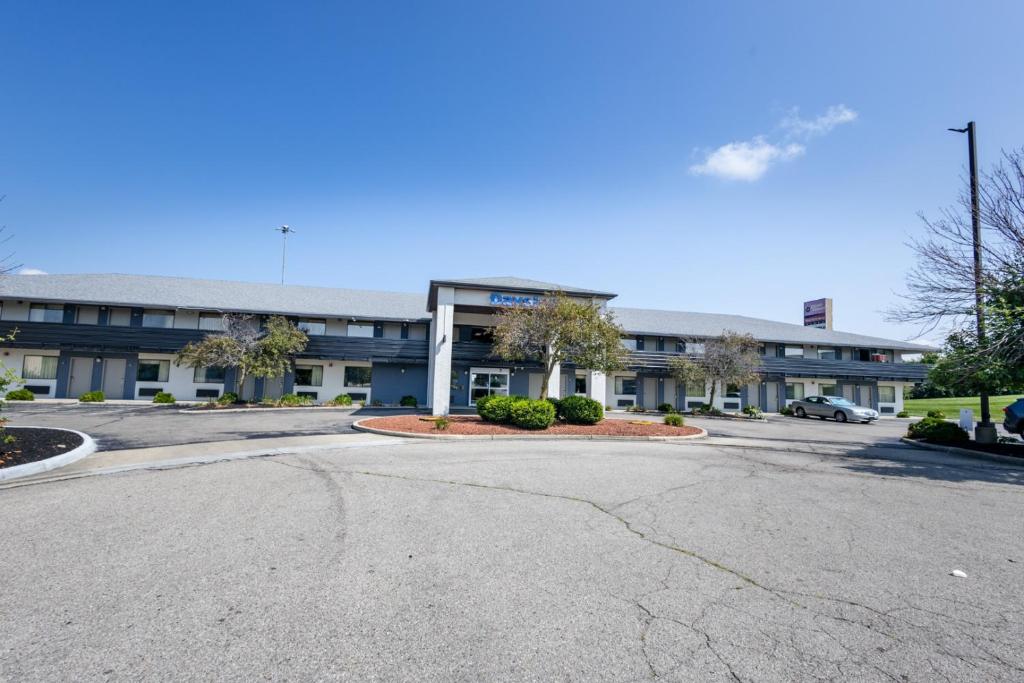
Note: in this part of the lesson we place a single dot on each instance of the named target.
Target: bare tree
(7, 266)
(732, 358)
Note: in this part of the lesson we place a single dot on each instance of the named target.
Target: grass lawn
(919, 407)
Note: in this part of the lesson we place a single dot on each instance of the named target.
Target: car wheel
(800, 412)
(840, 416)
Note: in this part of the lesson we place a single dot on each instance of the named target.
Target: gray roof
(655, 322)
(220, 295)
(260, 297)
(518, 283)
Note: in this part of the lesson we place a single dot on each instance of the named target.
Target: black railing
(657, 362)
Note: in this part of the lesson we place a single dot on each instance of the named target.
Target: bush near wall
(163, 397)
(498, 408)
(408, 401)
(937, 414)
(92, 397)
(227, 398)
(341, 400)
(666, 408)
(532, 414)
(20, 395)
(580, 410)
(940, 431)
(674, 420)
(294, 400)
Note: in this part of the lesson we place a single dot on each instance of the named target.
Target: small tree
(242, 345)
(560, 330)
(732, 358)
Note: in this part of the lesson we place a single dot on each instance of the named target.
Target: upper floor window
(157, 317)
(360, 330)
(826, 353)
(211, 321)
(482, 334)
(309, 375)
(120, 317)
(789, 351)
(46, 313)
(629, 343)
(696, 348)
(153, 370)
(39, 367)
(313, 326)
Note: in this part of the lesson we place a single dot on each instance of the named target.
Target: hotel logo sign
(499, 299)
(818, 313)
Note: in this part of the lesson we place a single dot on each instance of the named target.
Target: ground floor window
(356, 376)
(695, 389)
(829, 390)
(581, 385)
(794, 391)
(39, 367)
(625, 386)
(309, 375)
(886, 394)
(732, 391)
(153, 370)
(487, 383)
(208, 375)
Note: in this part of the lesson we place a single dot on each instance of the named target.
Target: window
(788, 351)
(153, 370)
(629, 343)
(762, 350)
(356, 376)
(886, 394)
(482, 334)
(581, 385)
(39, 367)
(157, 317)
(211, 321)
(625, 386)
(829, 390)
(46, 313)
(212, 375)
(695, 348)
(829, 354)
(794, 391)
(309, 375)
(696, 389)
(358, 330)
(120, 317)
(487, 384)
(732, 391)
(315, 326)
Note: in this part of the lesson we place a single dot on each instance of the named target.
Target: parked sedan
(835, 407)
(1014, 420)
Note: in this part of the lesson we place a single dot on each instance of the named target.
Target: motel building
(120, 334)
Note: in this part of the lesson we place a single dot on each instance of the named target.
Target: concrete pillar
(597, 386)
(439, 362)
(555, 382)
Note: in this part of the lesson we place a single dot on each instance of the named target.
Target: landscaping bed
(472, 425)
(35, 444)
(1010, 449)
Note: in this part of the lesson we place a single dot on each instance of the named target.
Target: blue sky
(733, 157)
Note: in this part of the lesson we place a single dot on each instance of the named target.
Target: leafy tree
(242, 345)
(560, 330)
(732, 358)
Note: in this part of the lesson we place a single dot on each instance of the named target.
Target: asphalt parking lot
(789, 558)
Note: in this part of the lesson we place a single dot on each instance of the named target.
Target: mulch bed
(1013, 450)
(31, 445)
(473, 425)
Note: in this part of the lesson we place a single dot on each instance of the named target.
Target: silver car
(835, 407)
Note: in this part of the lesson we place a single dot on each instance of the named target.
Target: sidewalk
(110, 462)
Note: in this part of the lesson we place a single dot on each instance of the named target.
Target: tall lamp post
(985, 431)
(285, 231)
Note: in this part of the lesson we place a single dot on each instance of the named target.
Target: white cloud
(31, 271)
(748, 160)
(835, 115)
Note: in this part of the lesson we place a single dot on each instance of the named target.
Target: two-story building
(120, 333)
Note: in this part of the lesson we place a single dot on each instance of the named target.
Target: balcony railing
(657, 362)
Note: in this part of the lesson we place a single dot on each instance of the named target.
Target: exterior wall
(15, 360)
(392, 382)
(611, 398)
(179, 380)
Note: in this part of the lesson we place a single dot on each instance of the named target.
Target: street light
(285, 231)
(985, 431)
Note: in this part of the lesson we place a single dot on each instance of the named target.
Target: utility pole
(285, 231)
(985, 431)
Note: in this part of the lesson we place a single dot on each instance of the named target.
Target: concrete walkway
(109, 462)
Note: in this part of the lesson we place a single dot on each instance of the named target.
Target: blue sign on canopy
(498, 299)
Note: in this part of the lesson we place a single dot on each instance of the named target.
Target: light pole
(285, 231)
(985, 431)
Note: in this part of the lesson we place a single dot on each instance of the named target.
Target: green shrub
(937, 414)
(674, 420)
(20, 395)
(934, 429)
(499, 408)
(481, 404)
(408, 401)
(341, 400)
(294, 400)
(92, 397)
(163, 397)
(532, 414)
(752, 411)
(903, 413)
(556, 403)
(227, 398)
(785, 410)
(580, 410)
(666, 408)
(442, 423)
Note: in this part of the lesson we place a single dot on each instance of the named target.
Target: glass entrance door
(487, 382)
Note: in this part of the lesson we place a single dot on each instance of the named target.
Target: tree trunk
(241, 383)
(711, 402)
(549, 367)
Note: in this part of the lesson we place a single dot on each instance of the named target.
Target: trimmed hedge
(408, 401)
(92, 397)
(674, 420)
(937, 414)
(227, 398)
(163, 397)
(294, 400)
(342, 400)
(666, 408)
(934, 429)
(580, 410)
(499, 408)
(20, 395)
(903, 413)
(532, 414)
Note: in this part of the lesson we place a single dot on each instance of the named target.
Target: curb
(88, 447)
(357, 425)
(967, 452)
(222, 411)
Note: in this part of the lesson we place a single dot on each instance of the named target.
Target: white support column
(555, 382)
(597, 385)
(439, 370)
